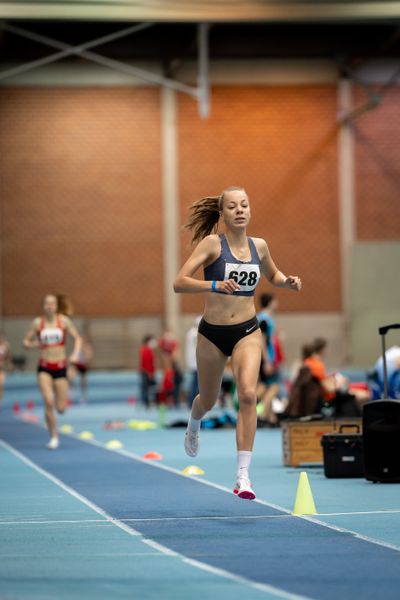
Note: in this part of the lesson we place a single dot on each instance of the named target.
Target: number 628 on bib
(246, 275)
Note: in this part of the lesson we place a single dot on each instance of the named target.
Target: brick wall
(377, 135)
(280, 144)
(81, 199)
(81, 189)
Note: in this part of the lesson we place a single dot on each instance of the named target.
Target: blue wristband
(214, 286)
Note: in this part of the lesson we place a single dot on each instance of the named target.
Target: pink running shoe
(243, 489)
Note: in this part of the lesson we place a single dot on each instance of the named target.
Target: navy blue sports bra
(226, 266)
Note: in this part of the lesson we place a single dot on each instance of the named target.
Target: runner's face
(236, 209)
(50, 305)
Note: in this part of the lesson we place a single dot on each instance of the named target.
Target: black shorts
(225, 337)
(55, 373)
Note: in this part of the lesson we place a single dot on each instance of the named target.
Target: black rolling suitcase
(381, 431)
(343, 453)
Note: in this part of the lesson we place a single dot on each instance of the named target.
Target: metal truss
(201, 92)
(375, 96)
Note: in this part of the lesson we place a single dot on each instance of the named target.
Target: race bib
(49, 337)
(246, 275)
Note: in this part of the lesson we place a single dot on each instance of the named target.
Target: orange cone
(152, 455)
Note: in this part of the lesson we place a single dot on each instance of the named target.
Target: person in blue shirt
(269, 373)
(393, 373)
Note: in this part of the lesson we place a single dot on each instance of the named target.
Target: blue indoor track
(85, 521)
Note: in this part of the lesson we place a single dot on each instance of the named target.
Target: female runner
(48, 333)
(233, 264)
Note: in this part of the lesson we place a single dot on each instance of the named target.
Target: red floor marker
(30, 405)
(152, 456)
(131, 400)
(29, 418)
(16, 407)
(114, 425)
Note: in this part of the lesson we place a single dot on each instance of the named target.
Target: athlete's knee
(204, 402)
(247, 397)
(48, 408)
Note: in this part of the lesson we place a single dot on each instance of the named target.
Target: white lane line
(143, 520)
(55, 522)
(161, 548)
(362, 512)
(158, 547)
(237, 517)
(199, 518)
(206, 518)
(97, 555)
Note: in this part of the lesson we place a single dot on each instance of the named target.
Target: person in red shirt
(172, 376)
(147, 369)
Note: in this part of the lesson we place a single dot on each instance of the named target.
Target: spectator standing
(269, 370)
(191, 363)
(172, 376)
(147, 369)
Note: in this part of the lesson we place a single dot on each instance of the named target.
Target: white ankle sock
(243, 463)
(194, 424)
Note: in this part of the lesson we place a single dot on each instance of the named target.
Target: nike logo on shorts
(248, 330)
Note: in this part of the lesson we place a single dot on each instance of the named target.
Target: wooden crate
(301, 440)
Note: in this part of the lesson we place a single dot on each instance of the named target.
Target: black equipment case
(381, 430)
(343, 453)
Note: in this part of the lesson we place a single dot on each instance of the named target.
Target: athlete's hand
(227, 287)
(31, 344)
(293, 283)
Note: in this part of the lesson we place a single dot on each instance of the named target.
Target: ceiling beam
(288, 11)
(82, 50)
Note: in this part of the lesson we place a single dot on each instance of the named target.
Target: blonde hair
(205, 214)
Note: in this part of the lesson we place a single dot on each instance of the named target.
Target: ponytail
(205, 214)
(64, 305)
(204, 217)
